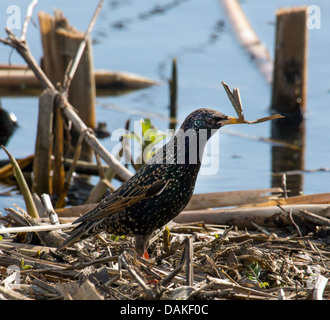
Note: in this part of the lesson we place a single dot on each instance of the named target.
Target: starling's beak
(230, 120)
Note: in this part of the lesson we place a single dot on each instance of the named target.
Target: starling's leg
(141, 244)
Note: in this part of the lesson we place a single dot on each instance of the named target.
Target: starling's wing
(83, 231)
(122, 199)
(95, 220)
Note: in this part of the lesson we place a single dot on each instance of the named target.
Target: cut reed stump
(289, 94)
(60, 43)
(42, 166)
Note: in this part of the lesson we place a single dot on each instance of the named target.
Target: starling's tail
(83, 231)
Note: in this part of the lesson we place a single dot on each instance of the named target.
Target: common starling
(159, 190)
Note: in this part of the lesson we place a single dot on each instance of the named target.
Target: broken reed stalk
(42, 181)
(61, 201)
(58, 153)
(37, 228)
(249, 38)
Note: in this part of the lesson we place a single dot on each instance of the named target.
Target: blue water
(207, 53)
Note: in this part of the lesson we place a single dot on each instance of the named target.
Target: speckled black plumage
(159, 191)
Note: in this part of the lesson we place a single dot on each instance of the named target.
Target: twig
(220, 283)
(313, 218)
(27, 19)
(36, 228)
(23, 49)
(283, 182)
(169, 277)
(321, 257)
(295, 225)
(262, 229)
(81, 265)
(73, 64)
(136, 276)
(104, 180)
(189, 262)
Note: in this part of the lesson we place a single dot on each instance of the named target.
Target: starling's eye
(213, 120)
(210, 120)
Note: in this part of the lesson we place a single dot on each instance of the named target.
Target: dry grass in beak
(235, 100)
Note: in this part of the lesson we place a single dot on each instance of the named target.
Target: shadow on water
(286, 159)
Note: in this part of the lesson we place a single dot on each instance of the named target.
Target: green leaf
(146, 125)
(30, 206)
(263, 285)
(25, 266)
(150, 137)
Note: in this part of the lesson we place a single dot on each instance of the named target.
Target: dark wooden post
(289, 95)
(290, 72)
(173, 85)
